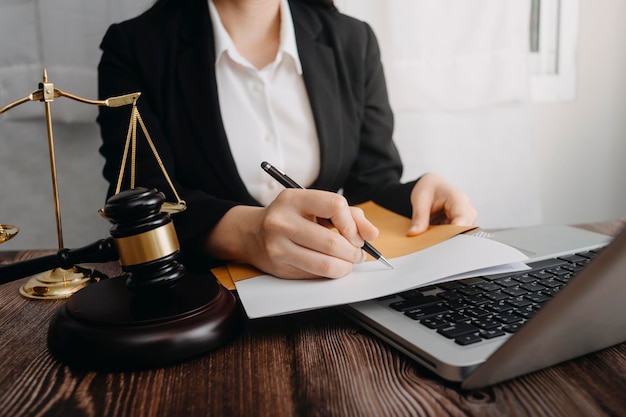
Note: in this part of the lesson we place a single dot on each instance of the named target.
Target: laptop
(483, 330)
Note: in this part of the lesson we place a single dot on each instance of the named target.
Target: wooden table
(311, 364)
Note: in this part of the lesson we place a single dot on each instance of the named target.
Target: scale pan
(8, 231)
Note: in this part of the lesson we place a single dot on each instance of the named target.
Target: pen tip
(386, 262)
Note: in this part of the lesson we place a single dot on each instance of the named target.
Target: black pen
(287, 182)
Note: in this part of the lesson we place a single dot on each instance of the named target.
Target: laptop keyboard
(472, 310)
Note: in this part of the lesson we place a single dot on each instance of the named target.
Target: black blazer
(168, 55)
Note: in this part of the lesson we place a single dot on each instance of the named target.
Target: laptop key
(458, 304)
(541, 274)
(565, 277)
(527, 311)
(519, 302)
(449, 295)
(533, 287)
(588, 255)
(433, 322)
(411, 294)
(455, 316)
(468, 339)
(551, 282)
(477, 312)
(552, 290)
(497, 295)
(471, 281)
(456, 330)
(538, 298)
(512, 328)
(515, 291)
(508, 317)
(507, 282)
(499, 306)
(574, 268)
(450, 285)
(431, 310)
(547, 263)
(524, 278)
(477, 299)
(573, 258)
(471, 290)
(488, 286)
(416, 302)
(491, 333)
(486, 323)
(558, 271)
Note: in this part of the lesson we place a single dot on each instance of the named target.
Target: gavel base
(106, 327)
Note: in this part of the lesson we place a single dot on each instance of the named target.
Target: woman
(227, 84)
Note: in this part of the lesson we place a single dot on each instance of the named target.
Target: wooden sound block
(106, 327)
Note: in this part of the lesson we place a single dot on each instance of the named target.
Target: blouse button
(257, 86)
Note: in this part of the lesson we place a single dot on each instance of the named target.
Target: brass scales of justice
(61, 283)
(156, 312)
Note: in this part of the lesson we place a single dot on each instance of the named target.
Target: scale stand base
(59, 283)
(105, 327)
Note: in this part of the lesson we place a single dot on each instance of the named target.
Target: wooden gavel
(142, 238)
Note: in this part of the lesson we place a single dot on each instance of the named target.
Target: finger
(319, 239)
(334, 207)
(300, 223)
(297, 247)
(307, 263)
(365, 228)
(422, 203)
(466, 217)
(460, 210)
(439, 217)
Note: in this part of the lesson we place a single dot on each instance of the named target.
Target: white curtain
(63, 36)
(450, 54)
(458, 79)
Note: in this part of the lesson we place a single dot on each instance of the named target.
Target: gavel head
(146, 240)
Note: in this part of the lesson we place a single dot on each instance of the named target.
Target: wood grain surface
(310, 364)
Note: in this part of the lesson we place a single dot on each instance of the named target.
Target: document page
(266, 295)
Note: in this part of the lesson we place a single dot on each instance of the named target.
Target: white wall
(488, 152)
(582, 144)
(525, 163)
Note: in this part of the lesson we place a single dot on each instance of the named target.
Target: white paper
(500, 269)
(267, 295)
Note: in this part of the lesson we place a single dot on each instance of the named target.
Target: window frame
(553, 50)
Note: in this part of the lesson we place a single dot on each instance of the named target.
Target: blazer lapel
(322, 85)
(196, 73)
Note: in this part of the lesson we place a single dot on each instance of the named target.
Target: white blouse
(266, 112)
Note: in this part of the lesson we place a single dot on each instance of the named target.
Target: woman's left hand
(436, 201)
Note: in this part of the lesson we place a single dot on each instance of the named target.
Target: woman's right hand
(290, 237)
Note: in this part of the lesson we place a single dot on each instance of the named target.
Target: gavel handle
(103, 250)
